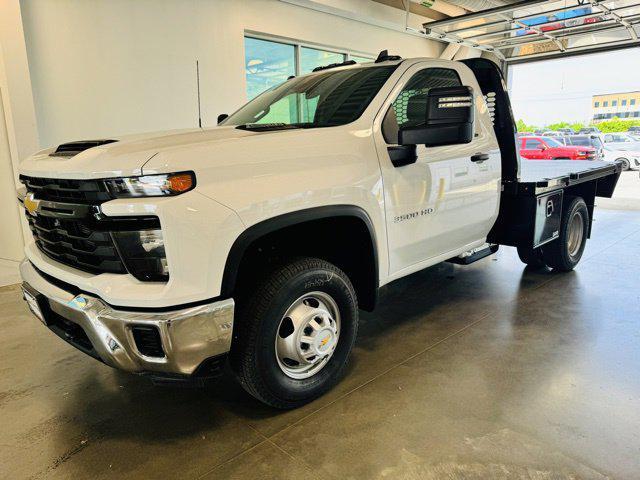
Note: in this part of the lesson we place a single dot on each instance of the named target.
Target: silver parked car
(586, 141)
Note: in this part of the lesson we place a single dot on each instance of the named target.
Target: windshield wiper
(265, 127)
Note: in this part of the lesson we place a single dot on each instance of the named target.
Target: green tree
(617, 125)
(576, 126)
(523, 127)
(558, 126)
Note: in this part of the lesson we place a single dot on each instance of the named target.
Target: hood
(124, 156)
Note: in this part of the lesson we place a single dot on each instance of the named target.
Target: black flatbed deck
(540, 176)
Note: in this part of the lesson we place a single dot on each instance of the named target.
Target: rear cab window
(409, 109)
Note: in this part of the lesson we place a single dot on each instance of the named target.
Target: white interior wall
(106, 67)
(18, 133)
(10, 234)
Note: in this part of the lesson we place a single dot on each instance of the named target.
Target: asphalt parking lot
(626, 195)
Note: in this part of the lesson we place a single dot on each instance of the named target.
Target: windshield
(581, 141)
(323, 99)
(552, 142)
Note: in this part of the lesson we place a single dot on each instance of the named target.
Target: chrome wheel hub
(307, 335)
(576, 231)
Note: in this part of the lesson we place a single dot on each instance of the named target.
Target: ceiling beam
(414, 8)
(583, 50)
(484, 13)
(608, 11)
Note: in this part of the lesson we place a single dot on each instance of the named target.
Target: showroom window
(267, 64)
(310, 58)
(270, 62)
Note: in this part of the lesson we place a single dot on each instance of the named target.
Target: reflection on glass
(360, 59)
(311, 58)
(267, 64)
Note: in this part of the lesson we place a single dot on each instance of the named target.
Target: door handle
(480, 157)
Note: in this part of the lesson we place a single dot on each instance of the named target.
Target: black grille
(72, 191)
(75, 243)
(69, 227)
(148, 341)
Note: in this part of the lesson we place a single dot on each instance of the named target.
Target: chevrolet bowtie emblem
(31, 204)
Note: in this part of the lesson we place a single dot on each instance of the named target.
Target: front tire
(564, 253)
(295, 332)
(625, 164)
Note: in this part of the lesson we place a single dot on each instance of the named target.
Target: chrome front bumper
(189, 336)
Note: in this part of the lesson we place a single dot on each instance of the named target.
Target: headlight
(151, 185)
(143, 254)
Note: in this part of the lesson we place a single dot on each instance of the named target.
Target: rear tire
(308, 306)
(532, 257)
(563, 254)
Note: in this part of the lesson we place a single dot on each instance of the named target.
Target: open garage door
(531, 30)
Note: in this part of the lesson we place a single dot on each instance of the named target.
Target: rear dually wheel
(564, 253)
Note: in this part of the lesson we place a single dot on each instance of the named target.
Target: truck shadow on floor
(430, 304)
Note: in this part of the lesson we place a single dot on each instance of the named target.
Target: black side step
(474, 257)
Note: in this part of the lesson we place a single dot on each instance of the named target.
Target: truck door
(447, 200)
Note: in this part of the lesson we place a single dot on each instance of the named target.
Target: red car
(548, 148)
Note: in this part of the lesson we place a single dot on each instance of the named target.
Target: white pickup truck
(257, 241)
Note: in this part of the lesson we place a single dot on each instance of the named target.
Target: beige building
(610, 105)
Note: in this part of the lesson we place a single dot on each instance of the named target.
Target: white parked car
(621, 141)
(630, 159)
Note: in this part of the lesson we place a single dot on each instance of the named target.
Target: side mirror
(222, 117)
(542, 147)
(448, 118)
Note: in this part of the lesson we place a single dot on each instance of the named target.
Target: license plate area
(34, 304)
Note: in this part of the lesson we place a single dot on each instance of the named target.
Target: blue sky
(554, 90)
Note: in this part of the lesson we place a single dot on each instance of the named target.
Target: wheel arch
(352, 224)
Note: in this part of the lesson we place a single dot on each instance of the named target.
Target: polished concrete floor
(486, 371)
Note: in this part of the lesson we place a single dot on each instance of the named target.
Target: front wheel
(294, 334)
(564, 253)
(625, 164)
